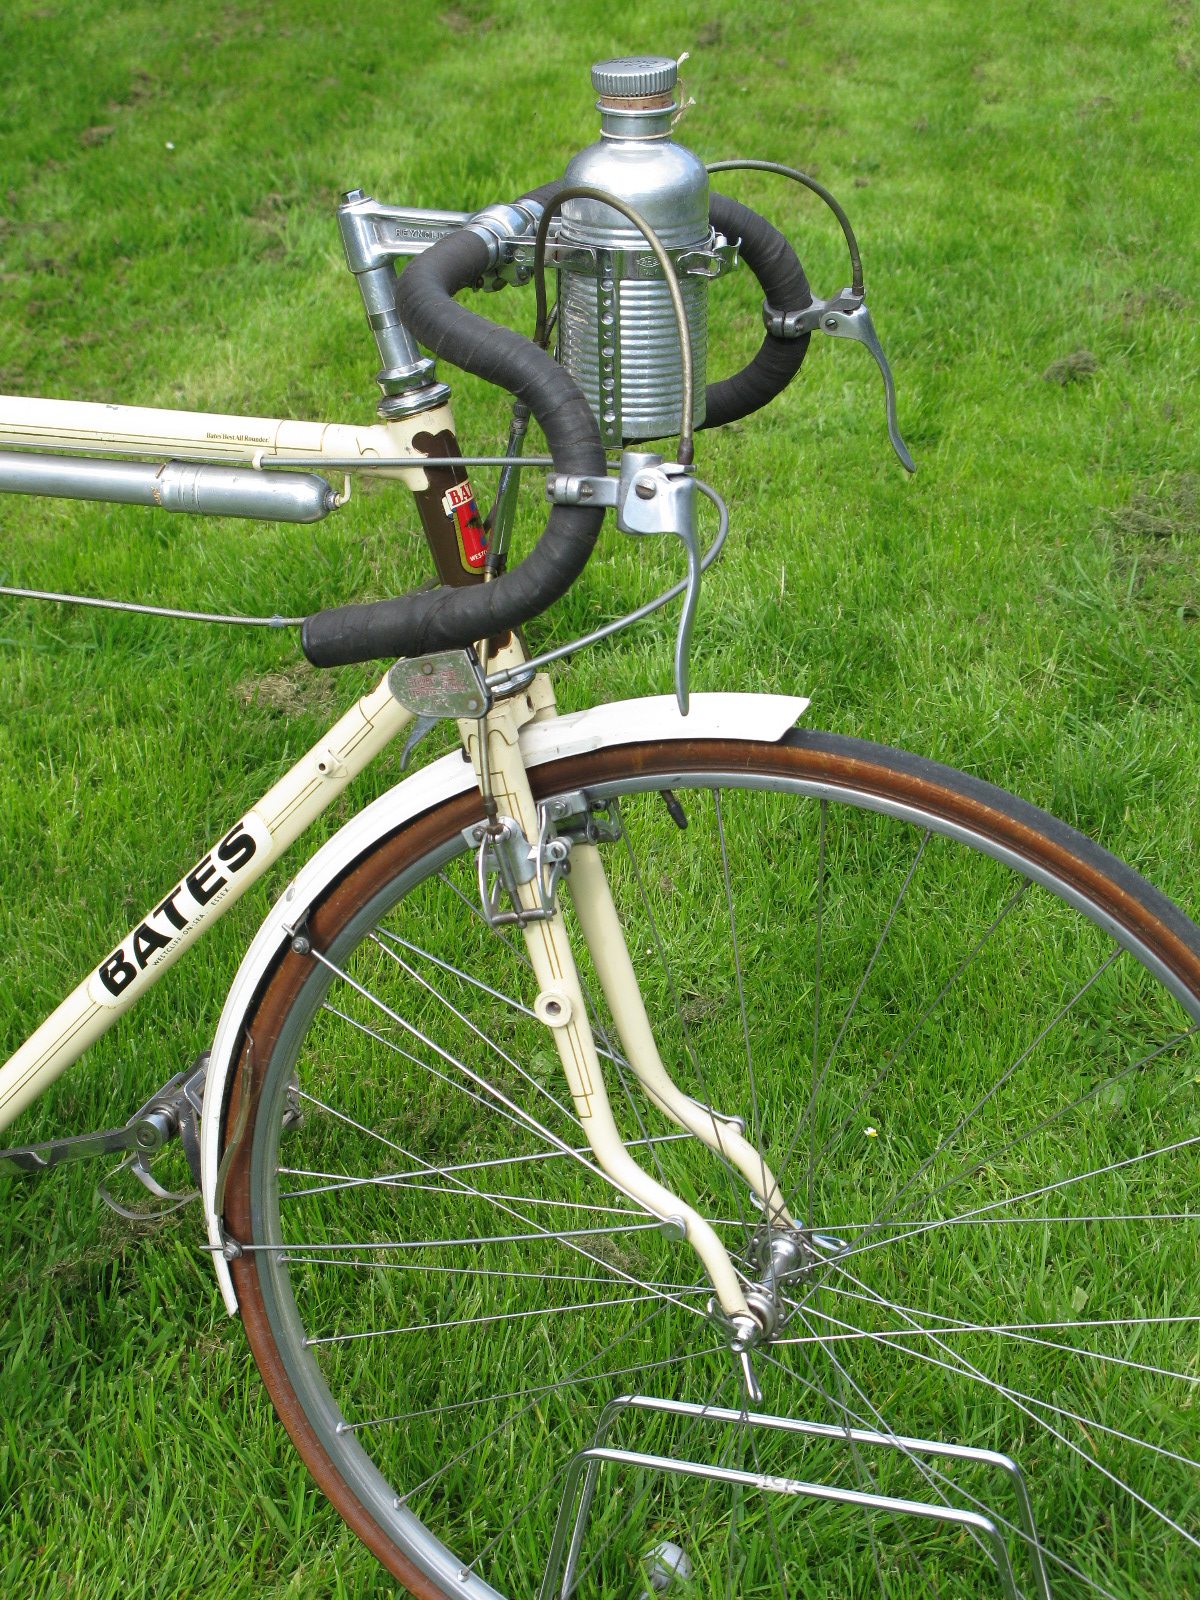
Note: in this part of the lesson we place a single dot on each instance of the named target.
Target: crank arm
(170, 1113)
(32, 1158)
(845, 316)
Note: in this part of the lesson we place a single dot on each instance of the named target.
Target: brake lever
(649, 496)
(654, 496)
(844, 316)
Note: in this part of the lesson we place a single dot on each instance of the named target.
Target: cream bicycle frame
(241, 856)
(244, 853)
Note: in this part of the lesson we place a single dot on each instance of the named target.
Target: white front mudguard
(751, 717)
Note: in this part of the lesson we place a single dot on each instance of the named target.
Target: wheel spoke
(490, 1089)
(470, 1241)
(767, 1199)
(477, 1322)
(846, 1416)
(1022, 1402)
(1019, 1077)
(766, 1500)
(567, 1237)
(489, 1042)
(812, 1099)
(425, 1066)
(520, 1159)
(994, 1153)
(1019, 1331)
(965, 1120)
(497, 933)
(535, 1393)
(437, 1268)
(1042, 1550)
(1029, 1194)
(508, 1422)
(810, 1107)
(906, 1043)
(406, 1182)
(627, 1516)
(457, 972)
(860, 1335)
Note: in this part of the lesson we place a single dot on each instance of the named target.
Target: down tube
(202, 895)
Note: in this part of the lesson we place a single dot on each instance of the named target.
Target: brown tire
(901, 788)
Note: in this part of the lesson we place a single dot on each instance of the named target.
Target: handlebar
(446, 618)
(452, 618)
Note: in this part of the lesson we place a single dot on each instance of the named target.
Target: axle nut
(554, 1008)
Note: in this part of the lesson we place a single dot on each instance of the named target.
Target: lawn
(1023, 183)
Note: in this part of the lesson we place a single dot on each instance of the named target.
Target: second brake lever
(844, 316)
(660, 497)
(651, 496)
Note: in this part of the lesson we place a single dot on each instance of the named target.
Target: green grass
(968, 1111)
(1023, 183)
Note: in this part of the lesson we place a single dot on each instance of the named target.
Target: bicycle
(872, 1365)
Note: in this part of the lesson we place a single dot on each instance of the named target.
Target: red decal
(458, 494)
(471, 535)
(472, 539)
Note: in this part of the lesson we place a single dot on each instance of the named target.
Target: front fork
(459, 545)
(560, 1006)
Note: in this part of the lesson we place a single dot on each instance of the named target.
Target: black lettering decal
(236, 848)
(200, 884)
(170, 910)
(146, 940)
(116, 973)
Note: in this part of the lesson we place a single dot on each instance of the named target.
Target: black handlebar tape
(544, 192)
(777, 267)
(448, 619)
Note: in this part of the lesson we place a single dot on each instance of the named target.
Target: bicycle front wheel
(964, 1038)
